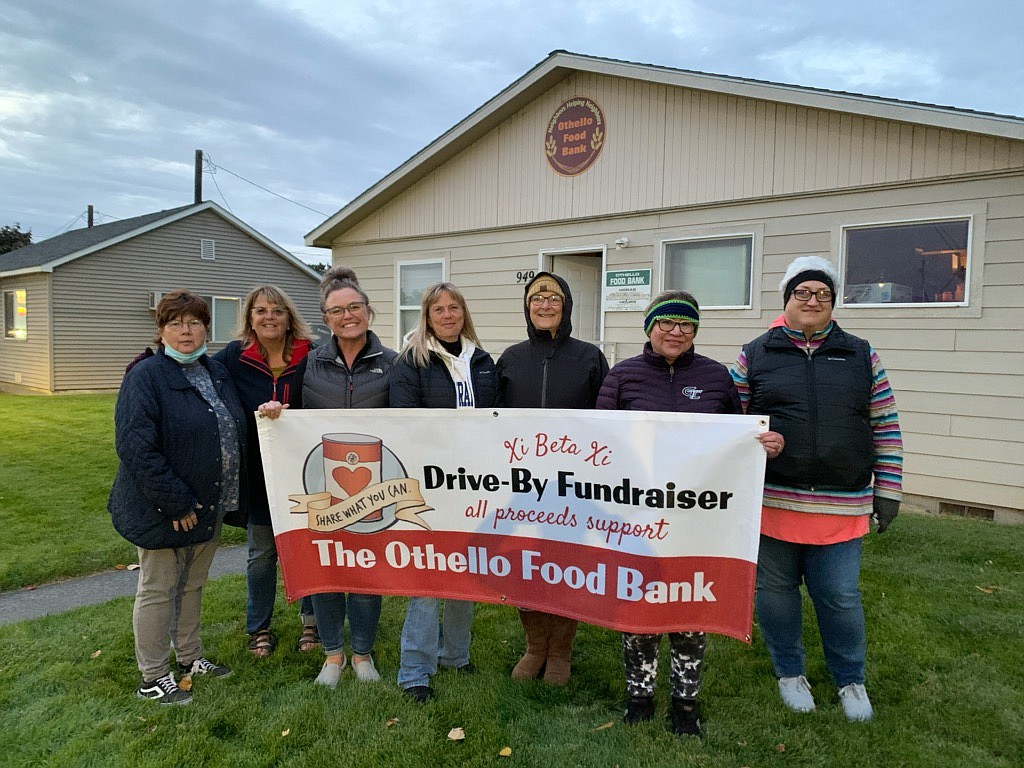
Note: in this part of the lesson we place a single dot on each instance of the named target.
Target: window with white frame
(413, 279)
(224, 317)
(923, 262)
(717, 271)
(16, 314)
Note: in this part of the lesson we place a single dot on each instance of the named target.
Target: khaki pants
(168, 603)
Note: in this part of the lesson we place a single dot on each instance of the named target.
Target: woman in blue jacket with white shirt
(442, 366)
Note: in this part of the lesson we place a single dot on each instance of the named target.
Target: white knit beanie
(803, 264)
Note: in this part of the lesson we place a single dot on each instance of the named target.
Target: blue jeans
(831, 573)
(425, 643)
(261, 581)
(363, 617)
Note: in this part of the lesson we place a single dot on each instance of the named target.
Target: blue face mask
(181, 357)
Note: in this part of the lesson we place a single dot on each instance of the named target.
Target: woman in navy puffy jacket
(179, 431)
(442, 366)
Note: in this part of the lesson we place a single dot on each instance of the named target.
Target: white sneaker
(331, 673)
(365, 670)
(856, 704)
(796, 693)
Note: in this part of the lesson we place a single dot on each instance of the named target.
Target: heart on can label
(352, 481)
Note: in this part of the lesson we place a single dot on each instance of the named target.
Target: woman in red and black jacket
(273, 341)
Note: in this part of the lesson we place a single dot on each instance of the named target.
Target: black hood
(565, 327)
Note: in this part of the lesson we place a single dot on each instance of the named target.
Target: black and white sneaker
(204, 667)
(165, 690)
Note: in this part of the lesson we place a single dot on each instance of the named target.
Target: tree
(12, 238)
(317, 267)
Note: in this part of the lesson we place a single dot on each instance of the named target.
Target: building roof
(560, 65)
(52, 252)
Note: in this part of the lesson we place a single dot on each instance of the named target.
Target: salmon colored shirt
(802, 528)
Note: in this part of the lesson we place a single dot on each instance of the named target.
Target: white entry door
(582, 271)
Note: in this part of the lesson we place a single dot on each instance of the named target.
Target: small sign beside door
(627, 290)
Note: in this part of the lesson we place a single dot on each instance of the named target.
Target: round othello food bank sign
(575, 136)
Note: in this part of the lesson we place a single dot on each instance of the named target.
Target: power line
(66, 227)
(213, 168)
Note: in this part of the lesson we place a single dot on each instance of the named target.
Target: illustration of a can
(352, 462)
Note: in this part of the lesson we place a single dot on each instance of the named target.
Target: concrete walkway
(98, 588)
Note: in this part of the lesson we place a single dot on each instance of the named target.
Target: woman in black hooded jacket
(549, 370)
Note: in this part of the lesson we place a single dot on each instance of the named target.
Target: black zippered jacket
(323, 380)
(432, 385)
(820, 403)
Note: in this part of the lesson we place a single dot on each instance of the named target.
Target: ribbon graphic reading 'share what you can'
(351, 463)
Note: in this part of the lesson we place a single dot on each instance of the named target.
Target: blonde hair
(297, 328)
(417, 345)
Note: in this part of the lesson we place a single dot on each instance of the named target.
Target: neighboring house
(79, 306)
(630, 178)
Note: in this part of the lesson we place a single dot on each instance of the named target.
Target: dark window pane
(907, 264)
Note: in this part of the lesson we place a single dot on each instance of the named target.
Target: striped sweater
(887, 442)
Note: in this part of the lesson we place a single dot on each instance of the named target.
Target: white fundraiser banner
(637, 521)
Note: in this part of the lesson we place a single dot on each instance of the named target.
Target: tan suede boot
(562, 632)
(535, 624)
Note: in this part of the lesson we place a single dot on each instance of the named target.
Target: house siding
(957, 372)
(25, 364)
(669, 147)
(101, 300)
(680, 162)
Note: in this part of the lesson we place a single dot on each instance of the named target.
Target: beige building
(79, 307)
(629, 179)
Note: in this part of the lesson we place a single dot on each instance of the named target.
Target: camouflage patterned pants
(640, 654)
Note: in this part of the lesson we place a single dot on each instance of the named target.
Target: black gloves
(885, 511)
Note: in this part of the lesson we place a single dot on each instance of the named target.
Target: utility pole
(199, 176)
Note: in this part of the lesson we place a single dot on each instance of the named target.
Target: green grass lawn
(945, 605)
(57, 462)
(944, 599)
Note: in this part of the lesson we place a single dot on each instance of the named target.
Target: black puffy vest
(821, 405)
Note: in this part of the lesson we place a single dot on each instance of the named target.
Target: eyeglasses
(177, 325)
(824, 295)
(538, 301)
(353, 309)
(667, 326)
(275, 312)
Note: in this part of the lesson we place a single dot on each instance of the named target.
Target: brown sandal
(261, 643)
(310, 639)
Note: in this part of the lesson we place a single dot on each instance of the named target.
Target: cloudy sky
(106, 101)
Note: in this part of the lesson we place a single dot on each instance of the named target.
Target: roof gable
(561, 65)
(48, 254)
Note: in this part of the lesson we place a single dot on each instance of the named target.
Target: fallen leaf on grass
(987, 590)
(286, 731)
(780, 747)
(133, 566)
(392, 722)
(30, 587)
(607, 725)
(185, 683)
(456, 734)
(506, 752)
(94, 654)
(120, 567)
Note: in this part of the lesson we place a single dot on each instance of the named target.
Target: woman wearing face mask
(352, 370)
(442, 366)
(180, 437)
